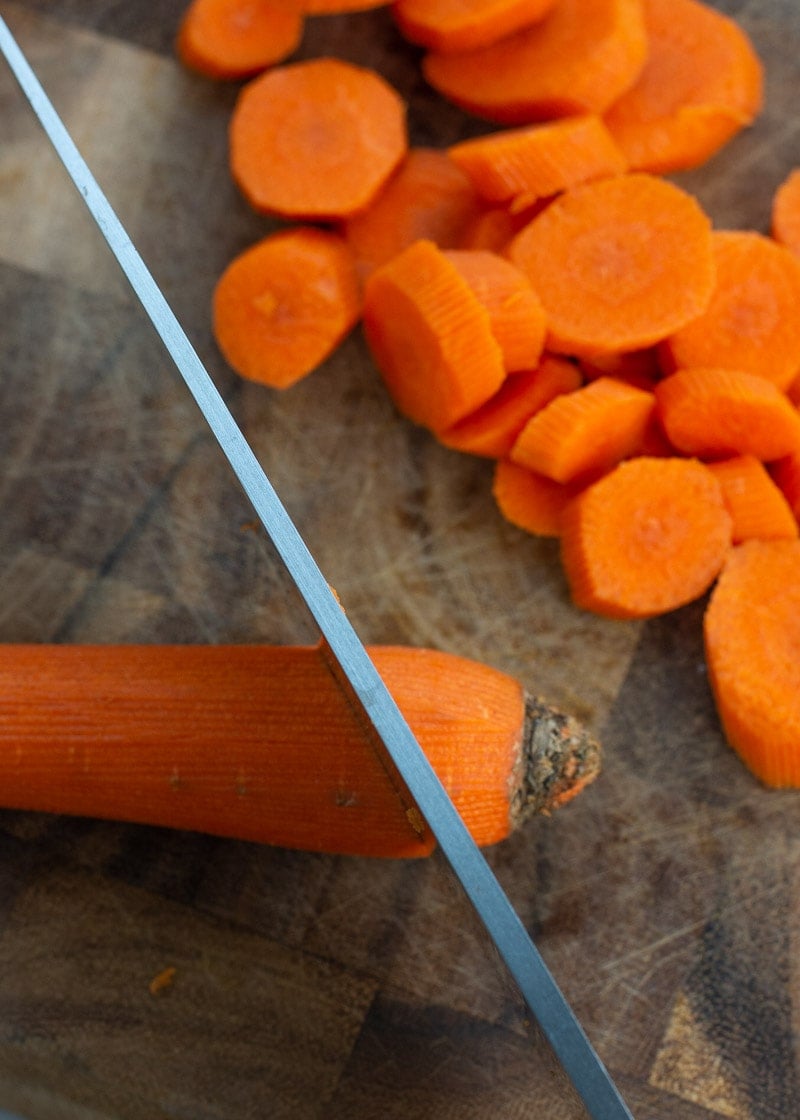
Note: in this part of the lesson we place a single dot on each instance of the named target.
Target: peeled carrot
(752, 638)
(586, 432)
(786, 212)
(316, 140)
(751, 320)
(232, 39)
(260, 744)
(702, 83)
(714, 413)
(579, 59)
(431, 337)
(283, 305)
(462, 25)
(619, 264)
(648, 537)
(758, 509)
(539, 160)
(529, 500)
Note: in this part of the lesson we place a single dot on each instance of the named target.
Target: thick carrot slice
(316, 140)
(530, 501)
(702, 83)
(492, 430)
(714, 413)
(786, 212)
(283, 305)
(463, 25)
(758, 508)
(539, 160)
(619, 264)
(751, 322)
(233, 39)
(647, 538)
(579, 59)
(431, 337)
(516, 313)
(427, 197)
(585, 432)
(752, 645)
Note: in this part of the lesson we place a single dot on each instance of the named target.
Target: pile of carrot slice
(542, 296)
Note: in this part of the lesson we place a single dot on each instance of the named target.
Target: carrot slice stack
(233, 39)
(462, 25)
(758, 508)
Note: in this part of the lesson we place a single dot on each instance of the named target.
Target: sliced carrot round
(232, 39)
(316, 140)
(647, 538)
(786, 212)
(528, 500)
(463, 25)
(759, 509)
(619, 264)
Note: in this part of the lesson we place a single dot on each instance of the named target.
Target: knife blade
(357, 674)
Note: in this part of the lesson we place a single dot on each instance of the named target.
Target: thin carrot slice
(786, 212)
(647, 538)
(579, 59)
(758, 508)
(428, 197)
(786, 474)
(752, 645)
(316, 140)
(233, 39)
(492, 430)
(751, 322)
(463, 25)
(585, 432)
(539, 160)
(516, 313)
(431, 337)
(283, 305)
(619, 264)
(713, 413)
(702, 83)
(530, 501)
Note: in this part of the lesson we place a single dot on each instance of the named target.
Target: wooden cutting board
(304, 986)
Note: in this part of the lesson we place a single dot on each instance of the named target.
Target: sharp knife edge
(523, 960)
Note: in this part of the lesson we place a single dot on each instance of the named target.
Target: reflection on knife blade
(354, 668)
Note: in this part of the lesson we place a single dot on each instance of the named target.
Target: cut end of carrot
(559, 760)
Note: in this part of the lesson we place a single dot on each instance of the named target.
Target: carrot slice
(431, 337)
(702, 83)
(647, 538)
(530, 501)
(714, 413)
(428, 197)
(283, 305)
(786, 474)
(232, 39)
(492, 429)
(585, 432)
(539, 160)
(619, 264)
(758, 508)
(751, 322)
(786, 212)
(752, 644)
(516, 314)
(316, 140)
(463, 25)
(579, 59)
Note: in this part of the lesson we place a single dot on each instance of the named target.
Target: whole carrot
(260, 743)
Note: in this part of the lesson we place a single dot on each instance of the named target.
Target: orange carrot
(714, 413)
(529, 500)
(428, 196)
(751, 322)
(758, 509)
(431, 337)
(283, 305)
(579, 59)
(492, 430)
(332, 7)
(786, 212)
(260, 744)
(619, 264)
(785, 472)
(232, 39)
(648, 537)
(537, 161)
(463, 25)
(494, 227)
(586, 432)
(702, 83)
(752, 638)
(316, 140)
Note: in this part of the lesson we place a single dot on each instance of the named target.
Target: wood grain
(664, 899)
